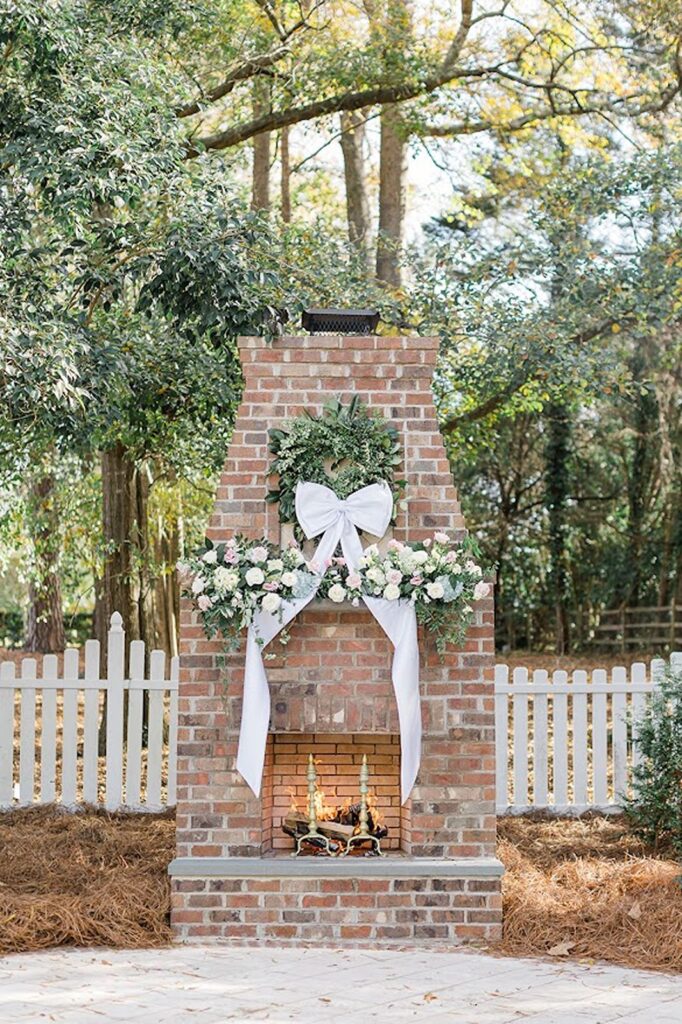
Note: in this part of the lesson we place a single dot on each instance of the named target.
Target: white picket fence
(569, 744)
(564, 744)
(65, 766)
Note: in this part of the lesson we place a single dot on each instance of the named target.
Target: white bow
(319, 510)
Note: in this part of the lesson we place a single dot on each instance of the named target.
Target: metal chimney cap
(340, 321)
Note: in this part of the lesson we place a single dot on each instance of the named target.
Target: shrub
(655, 808)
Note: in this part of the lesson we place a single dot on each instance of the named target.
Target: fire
(323, 811)
(374, 810)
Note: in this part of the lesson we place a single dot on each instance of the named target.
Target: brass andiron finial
(312, 832)
(363, 834)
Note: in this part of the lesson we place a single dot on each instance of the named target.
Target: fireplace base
(353, 901)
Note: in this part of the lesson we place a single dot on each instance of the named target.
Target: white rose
(371, 550)
(289, 579)
(298, 556)
(255, 576)
(258, 554)
(337, 593)
(271, 602)
(406, 560)
(198, 584)
(376, 576)
(420, 557)
(441, 538)
(392, 592)
(435, 590)
(481, 590)
(275, 565)
(210, 556)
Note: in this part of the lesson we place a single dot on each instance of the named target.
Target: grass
(579, 888)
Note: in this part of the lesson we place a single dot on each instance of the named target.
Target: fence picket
(114, 752)
(560, 737)
(619, 678)
(134, 727)
(70, 728)
(7, 686)
(27, 732)
(600, 786)
(91, 701)
(639, 701)
(579, 702)
(540, 796)
(501, 736)
(48, 732)
(155, 732)
(520, 713)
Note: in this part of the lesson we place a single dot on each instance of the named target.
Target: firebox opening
(338, 760)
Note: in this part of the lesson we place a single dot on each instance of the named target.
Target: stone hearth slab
(334, 867)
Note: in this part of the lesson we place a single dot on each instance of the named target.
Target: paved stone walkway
(194, 985)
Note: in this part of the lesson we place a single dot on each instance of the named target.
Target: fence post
(115, 687)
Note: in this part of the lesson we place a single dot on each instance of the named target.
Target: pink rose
(395, 545)
(204, 602)
(339, 561)
(427, 542)
(451, 557)
(394, 576)
(230, 556)
(416, 581)
(271, 586)
(481, 590)
(354, 581)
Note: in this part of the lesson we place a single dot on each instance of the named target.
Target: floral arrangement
(345, 448)
(230, 581)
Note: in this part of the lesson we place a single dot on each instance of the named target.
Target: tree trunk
(45, 626)
(260, 178)
(285, 182)
(557, 489)
(392, 174)
(126, 585)
(357, 200)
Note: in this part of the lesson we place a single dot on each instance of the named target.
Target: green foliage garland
(344, 448)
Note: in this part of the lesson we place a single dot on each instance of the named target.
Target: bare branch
(624, 104)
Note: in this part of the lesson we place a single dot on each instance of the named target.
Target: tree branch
(253, 66)
(493, 403)
(546, 113)
(379, 95)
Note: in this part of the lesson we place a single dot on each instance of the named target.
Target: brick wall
(335, 675)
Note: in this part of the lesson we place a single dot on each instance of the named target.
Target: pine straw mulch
(85, 879)
(578, 888)
(586, 888)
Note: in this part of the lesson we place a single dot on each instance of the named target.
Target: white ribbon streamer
(320, 511)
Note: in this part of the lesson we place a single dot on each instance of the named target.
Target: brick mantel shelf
(233, 879)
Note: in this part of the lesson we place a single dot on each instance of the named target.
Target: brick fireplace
(233, 878)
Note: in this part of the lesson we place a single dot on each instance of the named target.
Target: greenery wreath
(344, 448)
